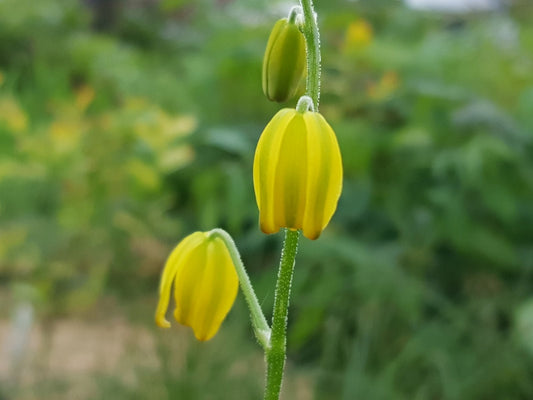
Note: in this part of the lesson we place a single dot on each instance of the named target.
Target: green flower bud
(284, 63)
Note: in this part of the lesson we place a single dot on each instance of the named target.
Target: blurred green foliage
(126, 125)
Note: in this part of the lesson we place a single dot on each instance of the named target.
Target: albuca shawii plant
(297, 181)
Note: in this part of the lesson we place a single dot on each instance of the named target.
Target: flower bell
(297, 173)
(205, 284)
(284, 63)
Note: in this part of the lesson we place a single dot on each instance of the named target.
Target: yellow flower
(385, 87)
(84, 97)
(297, 173)
(14, 116)
(205, 284)
(358, 35)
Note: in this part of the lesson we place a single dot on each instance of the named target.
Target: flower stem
(305, 103)
(312, 41)
(259, 323)
(293, 14)
(275, 354)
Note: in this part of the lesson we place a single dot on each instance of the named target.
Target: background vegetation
(125, 125)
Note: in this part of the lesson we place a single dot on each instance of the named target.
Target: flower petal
(297, 173)
(169, 273)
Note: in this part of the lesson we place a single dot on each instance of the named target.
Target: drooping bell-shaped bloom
(205, 284)
(297, 173)
(284, 62)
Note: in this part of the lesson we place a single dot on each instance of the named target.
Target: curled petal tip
(267, 229)
(203, 338)
(312, 235)
(162, 322)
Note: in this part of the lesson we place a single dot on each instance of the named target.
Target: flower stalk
(312, 42)
(275, 355)
(259, 323)
(204, 268)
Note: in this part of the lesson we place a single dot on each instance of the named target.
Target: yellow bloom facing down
(205, 284)
(297, 173)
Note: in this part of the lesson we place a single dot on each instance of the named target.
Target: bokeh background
(126, 125)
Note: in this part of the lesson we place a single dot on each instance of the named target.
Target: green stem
(312, 41)
(275, 354)
(293, 14)
(259, 323)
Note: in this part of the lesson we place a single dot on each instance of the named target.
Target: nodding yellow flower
(205, 284)
(297, 173)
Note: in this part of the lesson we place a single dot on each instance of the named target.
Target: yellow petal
(205, 284)
(205, 288)
(217, 291)
(325, 176)
(291, 175)
(169, 273)
(265, 164)
(188, 280)
(297, 173)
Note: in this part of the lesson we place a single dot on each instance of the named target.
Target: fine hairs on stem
(205, 269)
(259, 323)
(312, 41)
(276, 353)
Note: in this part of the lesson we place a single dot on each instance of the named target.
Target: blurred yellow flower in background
(205, 284)
(359, 34)
(144, 174)
(385, 87)
(13, 115)
(84, 97)
(297, 173)
(11, 237)
(171, 152)
(65, 134)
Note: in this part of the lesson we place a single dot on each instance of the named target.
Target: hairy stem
(259, 323)
(312, 41)
(276, 352)
(275, 355)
